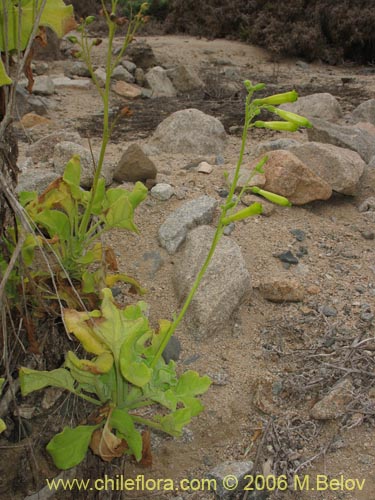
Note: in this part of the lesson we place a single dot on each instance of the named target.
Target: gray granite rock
(158, 81)
(222, 289)
(189, 131)
(173, 231)
(340, 167)
(351, 137)
(322, 105)
(64, 151)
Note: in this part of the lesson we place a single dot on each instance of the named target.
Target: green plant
(127, 372)
(59, 212)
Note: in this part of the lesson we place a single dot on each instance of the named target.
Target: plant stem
(217, 236)
(146, 421)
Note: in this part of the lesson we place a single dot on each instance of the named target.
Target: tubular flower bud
(275, 198)
(254, 209)
(89, 19)
(277, 99)
(288, 126)
(299, 120)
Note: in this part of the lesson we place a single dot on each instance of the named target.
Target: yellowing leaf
(78, 324)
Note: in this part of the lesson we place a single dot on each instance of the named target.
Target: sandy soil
(271, 344)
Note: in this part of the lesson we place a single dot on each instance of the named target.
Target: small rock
(367, 205)
(219, 160)
(328, 311)
(43, 85)
(303, 65)
(50, 397)
(172, 350)
(334, 404)
(128, 90)
(173, 231)
(128, 65)
(184, 78)
(40, 67)
(229, 477)
(32, 119)
(368, 235)
(298, 234)
(205, 168)
(134, 166)
(288, 257)
(141, 54)
(65, 82)
(122, 74)
(158, 81)
(139, 76)
(77, 68)
(367, 316)
(223, 193)
(162, 191)
(282, 290)
(101, 76)
(228, 230)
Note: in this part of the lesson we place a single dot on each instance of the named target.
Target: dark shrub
(331, 30)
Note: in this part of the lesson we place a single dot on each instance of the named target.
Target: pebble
(172, 350)
(219, 160)
(328, 311)
(205, 168)
(234, 473)
(368, 235)
(334, 404)
(367, 316)
(223, 193)
(229, 229)
(162, 191)
(298, 234)
(287, 257)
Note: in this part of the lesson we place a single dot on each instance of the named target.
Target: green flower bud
(299, 120)
(275, 198)
(73, 39)
(254, 209)
(277, 98)
(259, 166)
(248, 85)
(288, 126)
(89, 19)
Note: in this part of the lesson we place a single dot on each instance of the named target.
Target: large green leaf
(120, 211)
(122, 421)
(57, 223)
(69, 447)
(56, 15)
(174, 422)
(33, 380)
